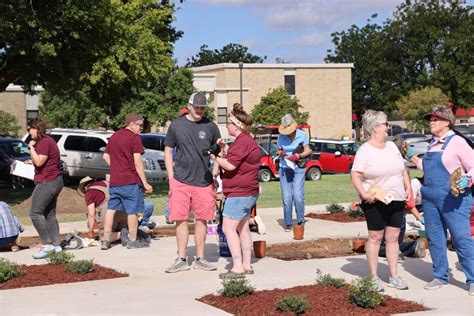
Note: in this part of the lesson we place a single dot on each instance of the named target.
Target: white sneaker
(260, 225)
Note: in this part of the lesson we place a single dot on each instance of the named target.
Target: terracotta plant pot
(260, 248)
(298, 232)
(358, 245)
(425, 240)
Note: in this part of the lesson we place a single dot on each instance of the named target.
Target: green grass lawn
(331, 188)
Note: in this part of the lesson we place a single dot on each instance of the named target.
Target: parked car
(155, 141)
(465, 128)
(266, 138)
(12, 149)
(82, 151)
(409, 137)
(335, 156)
(396, 129)
(420, 147)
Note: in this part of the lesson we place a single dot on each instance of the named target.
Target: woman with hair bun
(240, 163)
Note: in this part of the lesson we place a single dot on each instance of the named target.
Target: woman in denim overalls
(443, 210)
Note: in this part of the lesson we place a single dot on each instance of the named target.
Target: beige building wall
(324, 91)
(16, 102)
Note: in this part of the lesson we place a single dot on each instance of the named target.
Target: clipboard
(20, 169)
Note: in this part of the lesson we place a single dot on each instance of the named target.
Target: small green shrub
(355, 213)
(334, 208)
(80, 266)
(293, 303)
(328, 280)
(57, 258)
(363, 293)
(8, 270)
(236, 287)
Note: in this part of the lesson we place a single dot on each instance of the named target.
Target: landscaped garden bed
(329, 296)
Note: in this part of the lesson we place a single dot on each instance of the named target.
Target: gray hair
(287, 119)
(372, 118)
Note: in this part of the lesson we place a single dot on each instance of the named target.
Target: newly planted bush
(363, 293)
(328, 280)
(293, 303)
(236, 287)
(80, 266)
(57, 258)
(8, 270)
(334, 208)
(355, 213)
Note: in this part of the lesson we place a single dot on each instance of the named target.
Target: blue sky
(299, 31)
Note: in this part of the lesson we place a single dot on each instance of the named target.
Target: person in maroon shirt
(240, 162)
(49, 183)
(127, 179)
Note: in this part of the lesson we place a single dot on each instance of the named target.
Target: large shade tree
(108, 49)
(426, 43)
(230, 53)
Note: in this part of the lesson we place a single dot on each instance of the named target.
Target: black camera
(215, 149)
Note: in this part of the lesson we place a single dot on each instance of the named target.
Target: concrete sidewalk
(151, 291)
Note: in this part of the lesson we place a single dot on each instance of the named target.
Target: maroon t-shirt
(50, 170)
(94, 196)
(244, 154)
(121, 147)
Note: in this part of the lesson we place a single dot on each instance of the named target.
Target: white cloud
(307, 40)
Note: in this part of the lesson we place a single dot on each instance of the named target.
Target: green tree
(377, 80)
(230, 53)
(275, 105)
(414, 106)
(8, 125)
(437, 41)
(426, 43)
(116, 48)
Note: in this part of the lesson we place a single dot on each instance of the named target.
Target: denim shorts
(128, 198)
(237, 208)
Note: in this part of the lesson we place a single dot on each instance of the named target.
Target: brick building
(22, 105)
(324, 90)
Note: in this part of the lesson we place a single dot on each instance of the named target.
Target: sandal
(231, 275)
(251, 271)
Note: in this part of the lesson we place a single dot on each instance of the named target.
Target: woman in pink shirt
(379, 162)
(442, 209)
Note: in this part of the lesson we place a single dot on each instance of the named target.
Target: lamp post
(241, 66)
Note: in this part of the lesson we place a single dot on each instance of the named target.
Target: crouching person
(10, 227)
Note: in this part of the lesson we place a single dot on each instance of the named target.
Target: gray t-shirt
(189, 140)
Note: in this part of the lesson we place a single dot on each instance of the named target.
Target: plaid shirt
(9, 224)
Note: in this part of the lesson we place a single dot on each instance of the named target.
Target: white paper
(289, 163)
(23, 170)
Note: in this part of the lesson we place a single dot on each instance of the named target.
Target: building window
(290, 84)
(221, 115)
(31, 114)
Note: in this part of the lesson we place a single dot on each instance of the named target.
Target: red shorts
(184, 198)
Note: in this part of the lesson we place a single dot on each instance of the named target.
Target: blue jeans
(149, 207)
(292, 191)
(167, 209)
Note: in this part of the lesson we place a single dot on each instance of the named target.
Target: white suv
(82, 151)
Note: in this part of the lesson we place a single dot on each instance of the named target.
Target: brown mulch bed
(48, 274)
(311, 249)
(69, 202)
(323, 300)
(342, 217)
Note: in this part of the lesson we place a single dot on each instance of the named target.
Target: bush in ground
(80, 266)
(363, 293)
(8, 270)
(236, 287)
(355, 213)
(293, 303)
(328, 280)
(334, 208)
(57, 258)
